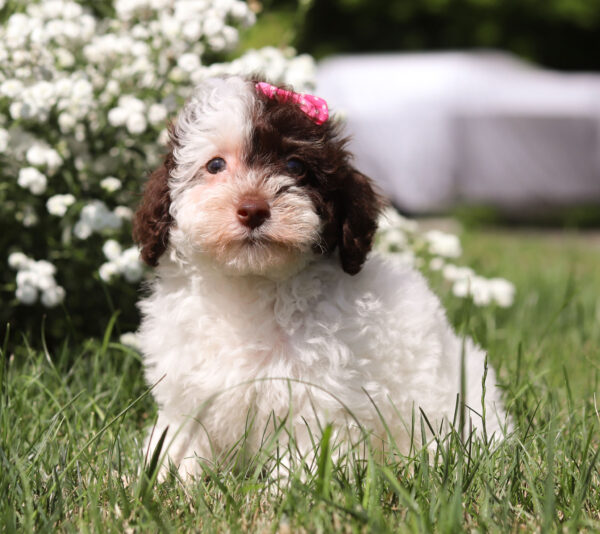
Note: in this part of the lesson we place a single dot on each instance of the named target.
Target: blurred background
(484, 109)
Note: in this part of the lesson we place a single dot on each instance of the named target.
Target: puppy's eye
(295, 167)
(216, 165)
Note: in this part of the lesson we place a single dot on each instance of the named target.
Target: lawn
(72, 423)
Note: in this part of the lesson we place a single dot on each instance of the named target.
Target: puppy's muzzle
(252, 212)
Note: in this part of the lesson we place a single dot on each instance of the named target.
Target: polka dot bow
(313, 106)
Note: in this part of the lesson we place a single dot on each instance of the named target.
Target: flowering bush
(434, 252)
(85, 95)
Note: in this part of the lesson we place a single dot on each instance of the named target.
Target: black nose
(252, 212)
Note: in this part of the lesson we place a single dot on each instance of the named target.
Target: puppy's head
(252, 182)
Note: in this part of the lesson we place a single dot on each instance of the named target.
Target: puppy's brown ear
(360, 207)
(152, 219)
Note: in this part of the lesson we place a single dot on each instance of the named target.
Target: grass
(72, 423)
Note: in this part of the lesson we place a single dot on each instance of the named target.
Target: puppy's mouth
(260, 241)
(255, 237)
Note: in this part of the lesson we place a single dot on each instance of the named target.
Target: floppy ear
(359, 210)
(152, 219)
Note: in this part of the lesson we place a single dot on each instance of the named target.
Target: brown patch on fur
(152, 218)
(344, 198)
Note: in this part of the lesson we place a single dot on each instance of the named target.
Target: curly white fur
(237, 334)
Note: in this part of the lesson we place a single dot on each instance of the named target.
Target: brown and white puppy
(255, 223)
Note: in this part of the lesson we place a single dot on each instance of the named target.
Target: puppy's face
(253, 183)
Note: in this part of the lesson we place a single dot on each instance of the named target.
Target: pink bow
(313, 106)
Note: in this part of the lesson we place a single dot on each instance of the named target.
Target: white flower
(97, 213)
(132, 104)
(16, 110)
(502, 291)
(117, 116)
(126, 263)
(26, 294)
(95, 217)
(64, 58)
(453, 273)
(231, 37)
(112, 88)
(43, 268)
(35, 155)
(188, 62)
(42, 155)
(53, 159)
(110, 184)
(108, 271)
(82, 90)
(461, 288)
(480, 290)
(53, 296)
(218, 43)
(34, 276)
(18, 260)
(213, 24)
(111, 249)
(177, 75)
(45, 282)
(133, 272)
(66, 122)
(241, 13)
(26, 277)
(11, 88)
(443, 244)
(476, 287)
(82, 229)
(32, 179)
(58, 204)
(192, 30)
(136, 123)
(157, 113)
(130, 264)
(483, 291)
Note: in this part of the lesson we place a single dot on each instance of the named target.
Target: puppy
(267, 309)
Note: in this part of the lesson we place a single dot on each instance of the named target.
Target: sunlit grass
(72, 425)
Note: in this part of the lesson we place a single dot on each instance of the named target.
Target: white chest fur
(323, 343)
